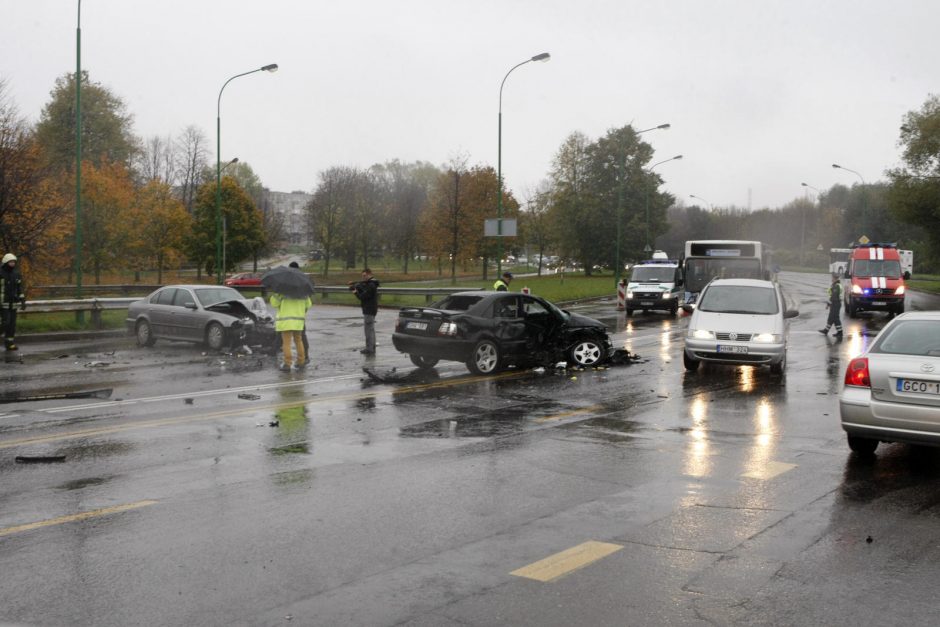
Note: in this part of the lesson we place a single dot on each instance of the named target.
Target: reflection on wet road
(639, 494)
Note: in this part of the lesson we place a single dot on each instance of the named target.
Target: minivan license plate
(920, 387)
(732, 349)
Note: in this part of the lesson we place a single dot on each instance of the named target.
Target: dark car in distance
(209, 314)
(491, 330)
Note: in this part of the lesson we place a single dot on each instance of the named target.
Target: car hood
(577, 321)
(738, 323)
(240, 308)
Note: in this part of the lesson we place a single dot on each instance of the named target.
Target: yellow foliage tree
(161, 222)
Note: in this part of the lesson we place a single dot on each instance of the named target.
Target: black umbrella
(289, 282)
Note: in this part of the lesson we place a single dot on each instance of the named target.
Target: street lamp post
(803, 221)
(79, 316)
(218, 170)
(499, 162)
(618, 267)
(864, 198)
(702, 199)
(648, 248)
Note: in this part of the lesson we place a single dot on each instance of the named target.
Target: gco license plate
(920, 387)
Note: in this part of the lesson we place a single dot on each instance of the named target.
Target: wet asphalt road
(637, 494)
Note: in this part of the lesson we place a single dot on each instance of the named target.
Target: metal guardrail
(97, 305)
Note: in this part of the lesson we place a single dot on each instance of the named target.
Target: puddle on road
(95, 450)
(477, 422)
(78, 484)
(605, 428)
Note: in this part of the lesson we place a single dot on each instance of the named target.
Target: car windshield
(653, 274)
(910, 337)
(888, 268)
(699, 271)
(209, 296)
(743, 299)
(458, 302)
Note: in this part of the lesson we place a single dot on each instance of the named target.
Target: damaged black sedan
(489, 331)
(216, 316)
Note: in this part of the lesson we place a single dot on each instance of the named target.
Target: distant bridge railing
(96, 305)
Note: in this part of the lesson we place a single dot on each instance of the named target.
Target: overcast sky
(761, 95)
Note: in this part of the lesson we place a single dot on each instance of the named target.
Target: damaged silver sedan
(218, 317)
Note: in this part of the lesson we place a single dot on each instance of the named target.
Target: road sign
(491, 228)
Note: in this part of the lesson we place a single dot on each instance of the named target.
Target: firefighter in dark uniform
(502, 283)
(11, 294)
(834, 305)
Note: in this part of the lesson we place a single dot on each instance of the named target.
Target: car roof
(744, 282)
(919, 315)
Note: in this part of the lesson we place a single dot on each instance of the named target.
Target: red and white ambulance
(874, 280)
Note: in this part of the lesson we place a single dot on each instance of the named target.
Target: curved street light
(702, 199)
(647, 247)
(836, 166)
(618, 268)
(218, 170)
(499, 162)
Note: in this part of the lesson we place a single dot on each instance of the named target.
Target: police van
(654, 284)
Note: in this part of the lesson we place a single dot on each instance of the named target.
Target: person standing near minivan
(834, 305)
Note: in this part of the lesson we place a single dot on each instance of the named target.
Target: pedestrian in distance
(290, 323)
(11, 295)
(502, 283)
(367, 291)
(303, 334)
(834, 305)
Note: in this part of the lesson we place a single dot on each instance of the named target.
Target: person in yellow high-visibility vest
(502, 283)
(291, 319)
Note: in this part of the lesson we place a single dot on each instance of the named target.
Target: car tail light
(857, 373)
(447, 328)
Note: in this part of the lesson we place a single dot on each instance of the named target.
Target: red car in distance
(244, 279)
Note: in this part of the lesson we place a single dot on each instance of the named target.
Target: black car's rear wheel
(587, 352)
(215, 336)
(144, 334)
(485, 358)
(423, 362)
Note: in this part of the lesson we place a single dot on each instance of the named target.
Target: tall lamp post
(499, 162)
(79, 316)
(648, 248)
(218, 170)
(803, 221)
(618, 267)
(702, 199)
(864, 199)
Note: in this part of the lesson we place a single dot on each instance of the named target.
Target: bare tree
(191, 162)
(156, 161)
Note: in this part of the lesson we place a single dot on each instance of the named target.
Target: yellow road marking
(75, 517)
(149, 424)
(769, 470)
(567, 561)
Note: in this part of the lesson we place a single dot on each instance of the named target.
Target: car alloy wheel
(215, 336)
(485, 358)
(145, 334)
(587, 353)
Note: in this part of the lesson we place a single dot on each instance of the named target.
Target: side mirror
(791, 313)
(907, 275)
(190, 305)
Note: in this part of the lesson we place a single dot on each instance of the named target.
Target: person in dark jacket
(834, 305)
(502, 283)
(367, 291)
(11, 294)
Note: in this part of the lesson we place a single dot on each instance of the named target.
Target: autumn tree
(404, 188)
(328, 210)
(107, 135)
(191, 162)
(161, 224)
(30, 207)
(534, 223)
(242, 223)
(107, 221)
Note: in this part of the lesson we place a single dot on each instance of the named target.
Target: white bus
(723, 259)
(839, 260)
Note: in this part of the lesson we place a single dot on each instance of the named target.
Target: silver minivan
(740, 322)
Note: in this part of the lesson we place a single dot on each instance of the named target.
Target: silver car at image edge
(892, 391)
(739, 322)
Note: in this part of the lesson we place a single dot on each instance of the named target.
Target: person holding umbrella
(303, 334)
(291, 290)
